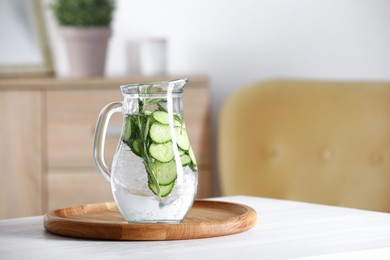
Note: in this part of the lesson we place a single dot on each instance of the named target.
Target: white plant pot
(87, 48)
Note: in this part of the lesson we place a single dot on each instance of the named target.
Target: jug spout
(162, 87)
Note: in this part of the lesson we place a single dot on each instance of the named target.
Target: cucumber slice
(165, 173)
(193, 167)
(135, 147)
(181, 151)
(182, 138)
(165, 190)
(163, 118)
(192, 156)
(128, 129)
(160, 133)
(162, 152)
(185, 160)
(147, 112)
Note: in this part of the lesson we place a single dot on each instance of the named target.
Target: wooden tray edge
(153, 231)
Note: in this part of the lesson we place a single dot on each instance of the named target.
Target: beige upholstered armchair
(321, 142)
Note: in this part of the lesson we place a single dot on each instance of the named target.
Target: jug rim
(158, 87)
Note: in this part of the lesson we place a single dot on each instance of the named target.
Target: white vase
(87, 48)
(153, 57)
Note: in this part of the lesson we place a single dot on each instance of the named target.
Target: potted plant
(85, 26)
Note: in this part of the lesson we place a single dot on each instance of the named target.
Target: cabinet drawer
(76, 187)
(204, 182)
(67, 188)
(72, 116)
(21, 154)
(71, 120)
(196, 109)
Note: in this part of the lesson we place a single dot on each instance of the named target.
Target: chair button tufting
(327, 155)
(377, 159)
(268, 152)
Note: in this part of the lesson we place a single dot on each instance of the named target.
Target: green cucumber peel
(148, 136)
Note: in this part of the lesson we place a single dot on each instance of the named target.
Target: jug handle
(100, 138)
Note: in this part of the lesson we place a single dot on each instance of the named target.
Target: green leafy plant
(83, 13)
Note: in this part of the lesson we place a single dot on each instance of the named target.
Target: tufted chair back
(321, 142)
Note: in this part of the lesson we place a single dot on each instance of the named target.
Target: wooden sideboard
(46, 136)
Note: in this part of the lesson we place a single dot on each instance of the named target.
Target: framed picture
(24, 48)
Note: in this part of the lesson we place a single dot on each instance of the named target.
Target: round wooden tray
(103, 221)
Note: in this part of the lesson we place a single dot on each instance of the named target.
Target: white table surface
(284, 229)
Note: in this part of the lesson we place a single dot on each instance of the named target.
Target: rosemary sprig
(143, 129)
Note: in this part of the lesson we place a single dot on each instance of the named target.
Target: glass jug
(154, 174)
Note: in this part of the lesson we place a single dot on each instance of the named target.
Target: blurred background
(238, 42)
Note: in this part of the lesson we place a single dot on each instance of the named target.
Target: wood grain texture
(71, 117)
(68, 187)
(103, 221)
(21, 153)
(196, 103)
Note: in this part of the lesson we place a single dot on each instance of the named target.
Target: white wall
(237, 42)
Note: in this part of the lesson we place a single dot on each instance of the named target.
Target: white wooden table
(284, 229)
